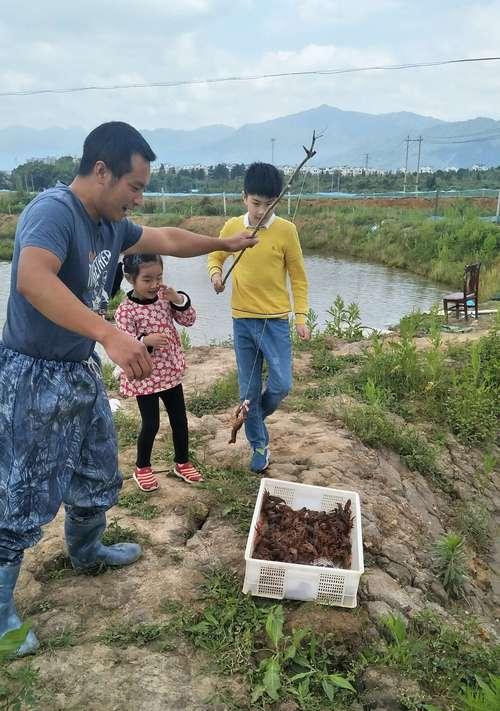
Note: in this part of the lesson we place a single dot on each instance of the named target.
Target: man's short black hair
(263, 179)
(114, 143)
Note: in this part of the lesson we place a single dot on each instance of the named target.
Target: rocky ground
(402, 514)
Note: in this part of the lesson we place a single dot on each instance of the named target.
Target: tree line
(36, 175)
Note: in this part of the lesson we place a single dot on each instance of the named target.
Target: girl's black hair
(131, 267)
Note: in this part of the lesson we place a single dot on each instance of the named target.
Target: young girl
(148, 313)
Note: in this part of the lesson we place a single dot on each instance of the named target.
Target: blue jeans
(57, 444)
(256, 340)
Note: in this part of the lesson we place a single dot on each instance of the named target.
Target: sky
(58, 44)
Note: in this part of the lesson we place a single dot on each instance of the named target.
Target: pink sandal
(188, 472)
(145, 479)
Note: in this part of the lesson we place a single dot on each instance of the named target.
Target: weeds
(127, 428)
(110, 380)
(418, 323)
(473, 521)
(234, 490)
(344, 321)
(246, 637)
(160, 635)
(219, 396)
(64, 640)
(374, 427)
(138, 504)
(185, 339)
(482, 696)
(450, 564)
(441, 658)
(115, 533)
(19, 688)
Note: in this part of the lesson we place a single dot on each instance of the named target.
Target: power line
(220, 80)
(438, 142)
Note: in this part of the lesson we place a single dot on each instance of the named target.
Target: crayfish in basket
(306, 537)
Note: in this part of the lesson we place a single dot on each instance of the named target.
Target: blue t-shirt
(56, 220)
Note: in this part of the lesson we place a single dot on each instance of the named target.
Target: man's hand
(130, 354)
(217, 283)
(303, 331)
(238, 242)
(156, 340)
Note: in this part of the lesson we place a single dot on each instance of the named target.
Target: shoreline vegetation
(404, 233)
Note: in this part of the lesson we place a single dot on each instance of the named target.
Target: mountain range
(349, 138)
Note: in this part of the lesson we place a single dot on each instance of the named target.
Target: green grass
(127, 428)
(473, 521)
(110, 380)
(375, 428)
(218, 397)
(233, 491)
(139, 504)
(116, 533)
(450, 564)
(440, 657)
(159, 636)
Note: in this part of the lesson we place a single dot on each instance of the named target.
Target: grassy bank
(409, 239)
(390, 232)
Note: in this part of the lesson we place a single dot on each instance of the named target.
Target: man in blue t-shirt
(57, 439)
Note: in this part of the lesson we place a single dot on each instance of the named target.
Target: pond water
(383, 294)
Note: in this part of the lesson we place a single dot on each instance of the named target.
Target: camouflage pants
(57, 444)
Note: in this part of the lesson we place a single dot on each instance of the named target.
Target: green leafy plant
(450, 564)
(185, 339)
(482, 696)
(110, 380)
(19, 688)
(12, 640)
(344, 321)
(296, 666)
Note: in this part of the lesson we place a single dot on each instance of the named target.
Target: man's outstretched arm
(177, 242)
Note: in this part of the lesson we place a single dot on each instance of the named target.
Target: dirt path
(402, 515)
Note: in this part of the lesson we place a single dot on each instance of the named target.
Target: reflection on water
(382, 293)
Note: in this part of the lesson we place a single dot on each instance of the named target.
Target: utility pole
(419, 139)
(407, 139)
(273, 140)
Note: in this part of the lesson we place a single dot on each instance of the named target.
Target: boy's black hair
(263, 179)
(132, 262)
(114, 143)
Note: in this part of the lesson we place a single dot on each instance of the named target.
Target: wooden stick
(310, 152)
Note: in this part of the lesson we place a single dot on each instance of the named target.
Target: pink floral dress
(141, 318)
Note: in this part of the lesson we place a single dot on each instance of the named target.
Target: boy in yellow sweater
(260, 304)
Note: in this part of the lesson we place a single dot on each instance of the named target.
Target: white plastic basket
(331, 586)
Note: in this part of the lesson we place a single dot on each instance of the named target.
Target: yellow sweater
(260, 277)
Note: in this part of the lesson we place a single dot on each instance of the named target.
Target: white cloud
(341, 11)
(57, 44)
